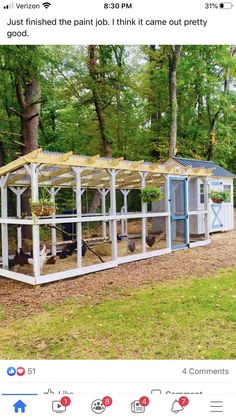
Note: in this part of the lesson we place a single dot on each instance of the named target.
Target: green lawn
(188, 318)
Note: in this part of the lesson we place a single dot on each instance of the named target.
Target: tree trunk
(29, 99)
(212, 135)
(152, 97)
(92, 66)
(98, 104)
(2, 155)
(174, 58)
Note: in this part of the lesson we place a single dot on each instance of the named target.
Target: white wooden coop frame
(57, 170)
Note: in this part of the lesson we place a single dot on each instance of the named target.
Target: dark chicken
(131, 246)
(51, 260)
(150, 240)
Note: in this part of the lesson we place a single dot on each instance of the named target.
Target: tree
(118, 100)
(97, 86)
(174, 57)
(22, 64)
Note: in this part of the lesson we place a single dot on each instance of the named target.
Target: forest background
(140, 102)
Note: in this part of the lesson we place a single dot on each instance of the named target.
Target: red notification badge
(107, 401)
(183, 401)
(65, 401)
(144, 401)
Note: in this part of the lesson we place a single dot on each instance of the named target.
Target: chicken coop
(45, 246)
(221, 214)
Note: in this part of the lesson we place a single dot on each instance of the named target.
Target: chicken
(20, 258)
(42, 258)
(11, 263)
(63, 254)
(131, 246)
(71, 247)
(23, 254)
(84, 249)
(51, 260)
(150, 240)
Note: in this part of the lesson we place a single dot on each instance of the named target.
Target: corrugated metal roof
(217, 170)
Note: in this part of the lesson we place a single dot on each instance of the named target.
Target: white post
(144, 211)
(79, 193)
(18, 214)
(53, 230)
(187, 212)
(104, 193)
(123, 221)
(167, 208)
(4, 213)
(207, 208)
(110, 228)
(35, 227)
(18, 192)
(125, 193)
(113, 173)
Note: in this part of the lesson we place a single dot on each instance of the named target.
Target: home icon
(19, 407)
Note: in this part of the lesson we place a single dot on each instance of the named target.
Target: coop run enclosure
(79, 242)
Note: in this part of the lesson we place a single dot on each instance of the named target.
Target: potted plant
(218, 197)
(43, 206)
(150, 194)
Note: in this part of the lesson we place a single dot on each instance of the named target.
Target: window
(202, 193)
(228, 188)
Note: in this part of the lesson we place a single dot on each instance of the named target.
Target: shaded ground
(19, 300)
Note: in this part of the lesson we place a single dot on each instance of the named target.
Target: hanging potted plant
(218, 197)
(150, 194)
(44, 206)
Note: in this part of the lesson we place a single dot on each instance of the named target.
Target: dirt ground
(20, 300)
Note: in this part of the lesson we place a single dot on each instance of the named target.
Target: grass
(185, 319)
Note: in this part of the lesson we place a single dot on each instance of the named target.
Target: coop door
(178, 208)
(216, 216)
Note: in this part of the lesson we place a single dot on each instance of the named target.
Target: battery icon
(226, 5)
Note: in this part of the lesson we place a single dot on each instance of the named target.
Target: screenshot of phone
(117, 208)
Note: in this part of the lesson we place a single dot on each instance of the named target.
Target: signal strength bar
(9, 6)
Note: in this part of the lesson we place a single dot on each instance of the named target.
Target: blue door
(216, 216)
(179, 216)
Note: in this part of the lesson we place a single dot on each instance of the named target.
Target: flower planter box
(217, 200)
(43, 210)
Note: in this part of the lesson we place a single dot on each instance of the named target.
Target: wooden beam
(55, 174)
(129, 183)
(124, 173)
(153, 166)
(122, 180)
(14, 178)
(94, 182)
(34, 154)
(136, 164)
(196, 170)
(62, 180)
(116, 162)
(66, 156)
(14, 165)
(91, 160)
(67, 160)
(153, 175)
(89, 171)
(169, 167)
